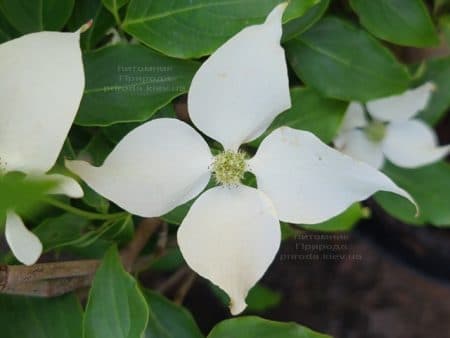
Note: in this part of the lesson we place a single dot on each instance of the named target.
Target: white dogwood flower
(231, 233)
(42, 82)
(393, 131)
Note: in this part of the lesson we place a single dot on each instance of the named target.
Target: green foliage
(22, 194)
(28, 317)
(345, 62)
(129, 83)
(168, 320)
(37, 15)
(299, 25)
(312, 112)
(438, 71)
(162, 25)
(429, 186)
(255, 327)
(74, 231)
(102, 21)
(403, 22)
(116, 307)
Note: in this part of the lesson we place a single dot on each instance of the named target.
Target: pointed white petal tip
(86, 26)
(276, 15)
(237, 306)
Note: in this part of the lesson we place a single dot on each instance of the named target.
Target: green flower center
(375, 131)
(229, 167)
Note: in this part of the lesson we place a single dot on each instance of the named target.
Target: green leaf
(429, 186)
(37, 15)
(261, 298)
(116, 307)
(94, 200)
(102, 21)
(344, 62)
(299, 25)
(21, 194)
(114, 5)
(403, 22)
(7, 32)
(168, 320)
(193, 29)
(70, 230)
(312, 112)
(255, 327)
(437, 71)
(343, 222)
(60, 231)
(117, 132)
(30, 317)
(129, 83)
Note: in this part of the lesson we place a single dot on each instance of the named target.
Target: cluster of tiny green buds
(376, 131)
(229, 167)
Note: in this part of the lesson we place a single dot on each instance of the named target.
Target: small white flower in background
(42, 82)
(393, 132)
(231, 233)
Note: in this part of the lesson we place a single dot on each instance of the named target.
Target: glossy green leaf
(299, 25)
(37, 15)
(343, 222)
(403, 22)
(102, 21)
(114, 5)
(30, 317)
(438, 71)
(312, 112)
(168, 320)
(117, 132)
(255, 327)
(429, 186)
(116, 307)
(191, 29)
(129, 83)
(345, 62)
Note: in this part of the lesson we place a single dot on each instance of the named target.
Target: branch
(54, 279)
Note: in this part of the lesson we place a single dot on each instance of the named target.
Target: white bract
(42, 82)
(393, 131)
(231, 233)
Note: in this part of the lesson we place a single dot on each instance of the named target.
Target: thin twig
(143, 233)
(53, 279)
(184, 288)
(145, 262)
(173, 280)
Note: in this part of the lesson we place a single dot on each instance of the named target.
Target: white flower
(42, 82)
(231, 233)
(393, 132)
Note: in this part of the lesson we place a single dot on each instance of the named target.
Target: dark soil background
(359, 289)
(385, 279)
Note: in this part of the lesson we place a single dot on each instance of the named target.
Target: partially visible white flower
(393, 131)
(231, 233)
(42, 82)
